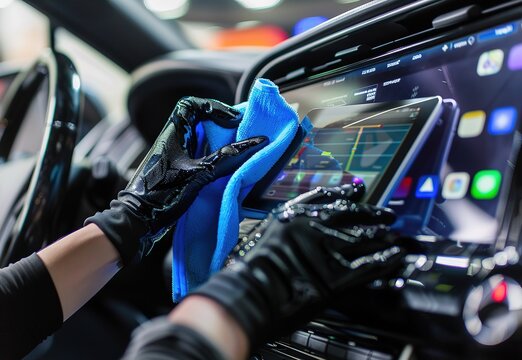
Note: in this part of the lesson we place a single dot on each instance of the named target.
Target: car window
(23, 32)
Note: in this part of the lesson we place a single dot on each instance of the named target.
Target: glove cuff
(123, 228)
(239, 295)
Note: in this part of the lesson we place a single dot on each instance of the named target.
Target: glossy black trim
(35, 224)
(344, 25)
(357, 27)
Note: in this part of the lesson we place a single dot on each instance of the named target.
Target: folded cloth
(208, 231)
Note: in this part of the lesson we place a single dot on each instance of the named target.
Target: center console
(459, 197)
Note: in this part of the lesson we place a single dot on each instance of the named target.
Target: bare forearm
(212, 321)
(80, 264)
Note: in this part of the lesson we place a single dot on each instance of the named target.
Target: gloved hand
(169, 179)
(311, 248)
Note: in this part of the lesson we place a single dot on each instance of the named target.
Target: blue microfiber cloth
(209, 230)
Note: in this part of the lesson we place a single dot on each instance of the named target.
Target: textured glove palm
(169, 179)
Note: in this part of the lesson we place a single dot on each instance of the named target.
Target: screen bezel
(430, 110)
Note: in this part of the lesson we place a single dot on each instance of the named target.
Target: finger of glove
(195, 109)
(322, 195)
(230, 157)
(382, 263)
(189, 111)
(355, 259)
(223, 115)
(357, 245)
(358, 214)
(411, 245)
(185, 118)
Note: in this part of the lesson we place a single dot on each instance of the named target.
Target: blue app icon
(316, 179)
(502, 121)
(427, 187)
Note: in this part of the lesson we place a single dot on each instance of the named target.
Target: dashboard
(460, 296)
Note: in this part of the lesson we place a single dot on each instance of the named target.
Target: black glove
(307, 252)
(169, 179)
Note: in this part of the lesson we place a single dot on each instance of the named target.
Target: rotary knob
(493, 310)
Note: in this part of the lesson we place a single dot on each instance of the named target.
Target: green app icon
(486, 184)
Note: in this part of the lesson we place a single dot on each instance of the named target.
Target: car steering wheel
(32, 189)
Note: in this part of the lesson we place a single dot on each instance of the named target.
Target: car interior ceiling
(458, 195)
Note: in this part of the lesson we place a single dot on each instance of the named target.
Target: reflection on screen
(345, 143)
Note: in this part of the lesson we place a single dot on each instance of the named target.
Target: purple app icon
(515, 58)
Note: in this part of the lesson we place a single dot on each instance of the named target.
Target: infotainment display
(372, 142)
(458, 185)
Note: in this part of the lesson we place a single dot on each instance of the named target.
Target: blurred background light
(347, 1)
(307, 23)
(166, 9)
(257, 36)
(5, 3)
(258, 4)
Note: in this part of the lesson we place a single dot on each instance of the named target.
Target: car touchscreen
(371, 142)
(458, 186)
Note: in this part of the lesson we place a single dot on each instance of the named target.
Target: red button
(499, 294)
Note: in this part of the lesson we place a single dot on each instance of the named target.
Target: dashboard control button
(336, 351)
(300, 338)
(493, 310)
(317, 343)
(357, 354)
(377, 355)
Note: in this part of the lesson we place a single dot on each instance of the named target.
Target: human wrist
(80, 264)
(215, 323)
(123, 228)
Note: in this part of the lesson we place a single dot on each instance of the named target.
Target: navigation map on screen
(346, 142)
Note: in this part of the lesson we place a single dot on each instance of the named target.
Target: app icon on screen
(299, 177)
(404, 188)
(427, 187)
(490, 62)
(455, 185)
(471, 124)
(316, 179)
(502, 121)
(335, 179)
(486, 184)
(515, 58)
